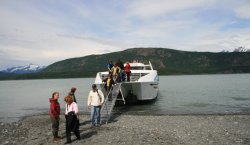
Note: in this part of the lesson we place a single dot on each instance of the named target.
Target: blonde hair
(68, 99)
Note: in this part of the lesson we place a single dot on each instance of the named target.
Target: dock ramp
(108, 105)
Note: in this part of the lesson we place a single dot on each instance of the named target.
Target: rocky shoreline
(135, 129)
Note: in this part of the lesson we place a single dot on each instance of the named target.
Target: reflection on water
(240, 99)
(187, 94)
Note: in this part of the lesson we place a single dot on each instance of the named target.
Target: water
(201, 94)
(186, 94)
(27, 97)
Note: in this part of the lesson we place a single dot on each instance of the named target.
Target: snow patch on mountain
(31, 68)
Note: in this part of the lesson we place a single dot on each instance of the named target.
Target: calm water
(187, 94)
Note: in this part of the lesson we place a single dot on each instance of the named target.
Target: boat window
(104, 76)
(139, 74)
(137, 68)
(147, 68)
(136, 76)
(140, 68)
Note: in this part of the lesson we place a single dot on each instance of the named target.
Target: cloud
(46, 31)
(243, 11)
(225, 41)
(28, 34)
(149, 9)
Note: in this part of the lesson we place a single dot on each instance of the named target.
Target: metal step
(108, 106)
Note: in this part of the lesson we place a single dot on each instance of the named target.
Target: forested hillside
(166, 61)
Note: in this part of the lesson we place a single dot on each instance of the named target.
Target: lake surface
(184, 94)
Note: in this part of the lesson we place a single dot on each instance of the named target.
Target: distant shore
(136, 129)
(18, 77)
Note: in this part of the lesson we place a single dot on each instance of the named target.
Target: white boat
(143, 82)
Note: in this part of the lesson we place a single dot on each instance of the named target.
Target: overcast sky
(46, 31)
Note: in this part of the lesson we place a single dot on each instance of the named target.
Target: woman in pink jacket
(72, 119)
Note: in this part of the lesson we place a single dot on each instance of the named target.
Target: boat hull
(142, 90)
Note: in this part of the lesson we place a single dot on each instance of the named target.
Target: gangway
(108, 105)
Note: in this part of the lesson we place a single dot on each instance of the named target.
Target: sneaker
(98, 125)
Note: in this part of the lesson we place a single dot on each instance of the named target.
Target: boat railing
(150, 65)
(136, 76)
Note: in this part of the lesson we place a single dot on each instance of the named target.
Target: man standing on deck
(95, 101)
(127, 70)
(121, 66)
(115, 71)
(110, 65)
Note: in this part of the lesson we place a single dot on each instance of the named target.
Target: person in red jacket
(127, 70)
(55, 115)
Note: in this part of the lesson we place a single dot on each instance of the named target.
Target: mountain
(31, 68)
(166, 61)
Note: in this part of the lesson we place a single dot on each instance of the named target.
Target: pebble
(132, 129)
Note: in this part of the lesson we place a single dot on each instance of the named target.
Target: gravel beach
(136, 130)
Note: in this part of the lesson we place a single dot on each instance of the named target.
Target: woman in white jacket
(95, 101)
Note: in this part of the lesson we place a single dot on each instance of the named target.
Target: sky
(46, 31)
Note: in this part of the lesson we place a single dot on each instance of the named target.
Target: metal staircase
(108, 105)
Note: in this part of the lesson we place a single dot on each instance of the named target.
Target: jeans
(96, 113)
